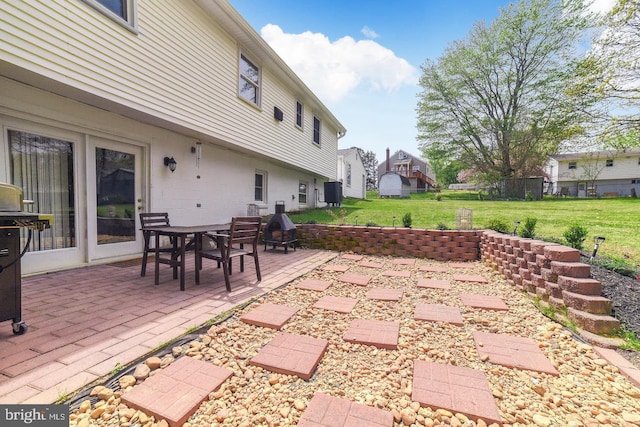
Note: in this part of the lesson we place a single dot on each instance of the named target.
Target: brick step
(599, 324)
(580, 285)
(589, 303)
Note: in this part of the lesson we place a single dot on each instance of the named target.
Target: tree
(608, 78)
(371, 167)
(496, 100)
(445, 168)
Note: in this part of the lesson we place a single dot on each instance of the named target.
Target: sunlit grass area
(617, 219)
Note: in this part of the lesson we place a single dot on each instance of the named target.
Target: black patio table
(179, 235)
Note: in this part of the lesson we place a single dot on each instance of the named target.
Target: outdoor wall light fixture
(171, 162)
(597, 240)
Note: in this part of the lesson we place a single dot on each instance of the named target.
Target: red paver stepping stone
(352, 257)
(513, 351)
(291, 354)
(434, 283)
(269, 315)
(176, 392)
(335, 267)
(476, 278)
(486, 302)
(396, 273)
(628, 369)
(355, 279)
(433, 269)
(325, 410)
(461, 265)
(385, 294)
(378, 333)
(438, 313)
(404, 261)
(370, 264)
(454, 388)
(314, 285)
(339, 304)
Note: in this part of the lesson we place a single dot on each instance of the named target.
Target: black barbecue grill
(280, 230)
(12, 219)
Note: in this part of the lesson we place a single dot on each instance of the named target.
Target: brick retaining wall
(548, 270)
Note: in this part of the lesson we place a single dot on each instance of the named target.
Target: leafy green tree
(608, 77)
(496, 100)
(371, 168)
(445, 168)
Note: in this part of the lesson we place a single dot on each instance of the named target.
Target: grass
(616, 219)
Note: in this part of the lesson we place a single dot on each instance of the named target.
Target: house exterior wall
(409, 163)
(357, 185)
(621, 178)
(69, 72)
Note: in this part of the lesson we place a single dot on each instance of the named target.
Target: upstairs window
(299, 114)
(249, 87)
(121, 11)
(609, 163)
(316, 130)
(573, 165)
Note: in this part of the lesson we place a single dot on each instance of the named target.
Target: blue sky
(362, 58)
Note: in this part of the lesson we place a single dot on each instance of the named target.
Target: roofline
(233, 23)
(599, 153)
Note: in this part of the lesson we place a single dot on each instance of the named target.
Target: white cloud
(369, 33)
(334, 69)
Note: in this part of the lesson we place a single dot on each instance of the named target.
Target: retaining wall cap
(562, 253)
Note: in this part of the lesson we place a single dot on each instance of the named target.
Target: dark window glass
(119, 7)
(299, 113)
(316, 130)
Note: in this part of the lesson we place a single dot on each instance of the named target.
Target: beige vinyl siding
(181, 68)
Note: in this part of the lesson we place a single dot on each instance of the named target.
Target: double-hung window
(121, 11)
(249, 83)
(573, 165)
(316, 130)
(299, 114)
(609, 163)
(260, 186)
(348, 174)
(302, 193)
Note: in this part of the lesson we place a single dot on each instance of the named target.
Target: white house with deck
(605, 173)
(351, 173)
(111, 108)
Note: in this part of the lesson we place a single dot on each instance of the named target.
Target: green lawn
(617, 219)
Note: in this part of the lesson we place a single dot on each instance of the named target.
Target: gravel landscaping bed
(588, 392)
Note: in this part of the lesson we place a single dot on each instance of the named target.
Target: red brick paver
(461, 265)
(379, 333)
(438, 313)
(434, 283)
(487, 302)
(454, 388)
(476, 278)
(626, 368)
(291, 354)
(269, 315)
(396, 273)
(385, 294)
(325, 410)
(352, 257)
(339, 304)
(355, 279)
(314, 285)
(176, 392)
(513, 351)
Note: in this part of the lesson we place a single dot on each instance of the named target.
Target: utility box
(333, 192)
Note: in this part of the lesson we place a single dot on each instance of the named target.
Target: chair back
(159, 219)
(245, 229)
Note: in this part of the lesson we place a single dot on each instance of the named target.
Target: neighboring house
(417, 170)
(607, 173)
(351, 173)
(93, 87)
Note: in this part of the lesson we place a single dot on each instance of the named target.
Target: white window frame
(263, 188)
(300, 116)
(304, 195)
(572, 165)
(247, 79)
(130, 21)
(317, 132)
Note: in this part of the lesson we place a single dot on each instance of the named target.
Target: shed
(394, 185)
